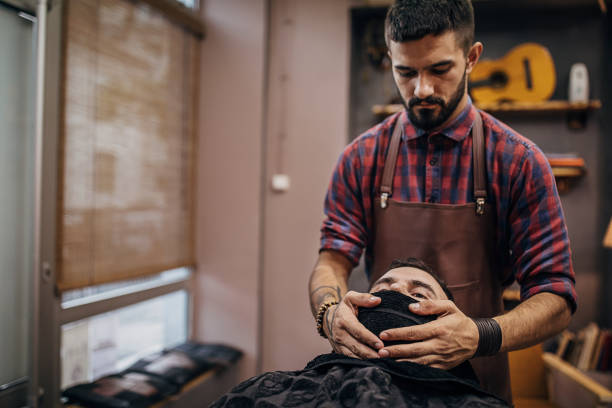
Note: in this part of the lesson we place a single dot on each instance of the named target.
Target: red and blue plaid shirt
(438, 168)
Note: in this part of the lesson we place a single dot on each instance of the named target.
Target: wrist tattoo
(323, 293)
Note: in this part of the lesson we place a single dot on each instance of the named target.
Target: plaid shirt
(438, 168)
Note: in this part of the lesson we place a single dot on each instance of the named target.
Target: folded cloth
(154, 377)
(127, 390)
(182, 363)
(173, 366)
(205, 354)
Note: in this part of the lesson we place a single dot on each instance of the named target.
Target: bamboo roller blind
(127, 175)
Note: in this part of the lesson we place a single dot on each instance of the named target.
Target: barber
(447, 183)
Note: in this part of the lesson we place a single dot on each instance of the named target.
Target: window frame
(135, 293)
(28, 7)
(43, 387)
(14, 393)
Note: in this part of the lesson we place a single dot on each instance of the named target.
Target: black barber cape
(335, 380)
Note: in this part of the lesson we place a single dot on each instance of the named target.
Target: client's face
(411, 282)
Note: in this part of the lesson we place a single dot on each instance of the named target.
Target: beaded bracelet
(320, 313)
(489, 337)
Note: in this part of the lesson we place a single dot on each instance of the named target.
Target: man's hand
(444, 343)
(345, 333)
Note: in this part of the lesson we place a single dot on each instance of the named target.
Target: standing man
(447, 183)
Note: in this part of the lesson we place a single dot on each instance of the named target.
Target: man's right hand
(345, 333)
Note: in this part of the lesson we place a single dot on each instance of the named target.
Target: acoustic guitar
(525, 74)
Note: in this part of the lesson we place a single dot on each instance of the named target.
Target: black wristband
(489, 337)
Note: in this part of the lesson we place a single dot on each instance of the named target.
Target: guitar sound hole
(498, 79)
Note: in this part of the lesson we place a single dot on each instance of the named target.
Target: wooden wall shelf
(386, 109)
(514, 107)
(568, 381)
(568, 172)
(544, 107)
(566, 177)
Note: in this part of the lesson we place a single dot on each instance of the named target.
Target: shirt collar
(457, 130)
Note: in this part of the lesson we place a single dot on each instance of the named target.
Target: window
(117, 187)
(110, 342)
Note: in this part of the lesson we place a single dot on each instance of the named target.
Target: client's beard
(426, 119)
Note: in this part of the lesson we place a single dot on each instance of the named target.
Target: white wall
(229, 175)
(249, 238)
(307, 129)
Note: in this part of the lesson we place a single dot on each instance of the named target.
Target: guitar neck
(480, 84)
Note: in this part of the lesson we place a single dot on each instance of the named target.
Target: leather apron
(458, 241)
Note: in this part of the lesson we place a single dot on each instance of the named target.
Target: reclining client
(336, 380)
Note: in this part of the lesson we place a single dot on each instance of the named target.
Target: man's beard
(427, 119)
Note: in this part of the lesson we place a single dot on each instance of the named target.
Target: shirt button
(433, 161)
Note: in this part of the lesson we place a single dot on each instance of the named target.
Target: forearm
(329, 279)
(534, 320)
(329, 282)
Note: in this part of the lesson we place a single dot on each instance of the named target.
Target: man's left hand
(444, 343)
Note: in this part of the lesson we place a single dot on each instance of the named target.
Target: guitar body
(525, 74)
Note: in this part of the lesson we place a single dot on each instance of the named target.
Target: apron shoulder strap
(478, 145)
(390, 161)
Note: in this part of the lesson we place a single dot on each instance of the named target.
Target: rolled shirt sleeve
(538, 238)
(344, 227)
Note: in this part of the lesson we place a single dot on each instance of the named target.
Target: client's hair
(419, 264)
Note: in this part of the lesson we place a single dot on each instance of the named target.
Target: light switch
(281, 182)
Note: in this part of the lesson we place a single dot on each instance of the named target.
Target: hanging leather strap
(480, 187)
(478, 147)
(391, 159)
(478, 153)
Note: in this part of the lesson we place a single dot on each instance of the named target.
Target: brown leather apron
(458, 241)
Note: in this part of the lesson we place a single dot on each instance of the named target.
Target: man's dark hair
(409, 20)
(419, 264)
